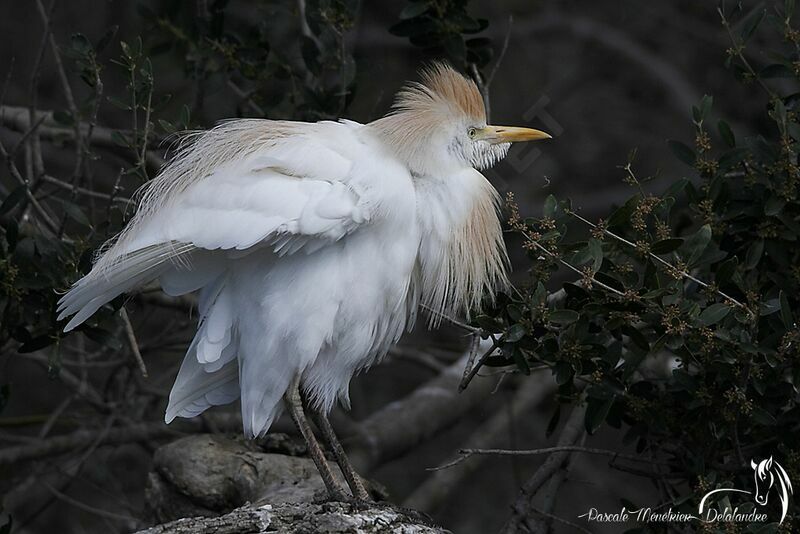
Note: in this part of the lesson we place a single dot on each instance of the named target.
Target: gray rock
(208, 474)
(304, 518)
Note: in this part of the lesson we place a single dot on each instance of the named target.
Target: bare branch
(467, 453)
(81, 439)
(469, 375)
(86, 192)
(443, 483)
(88, 508)
(570, 433)
(67, 90)
(16, 118)
(401, 425)
(49, 222)
(245, 97)
(131, 335)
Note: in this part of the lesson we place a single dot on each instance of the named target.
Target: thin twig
(419, 357)
(451, 320)
(37, 164)
(572, 267)
(83, 389)
(131, 335)
(502, 55)
(570, 433)
(662, 261)
(80, 439)
(85, 507)
(16, 118)
(305, 29)
(475, 343)
(67, 90)
(245, 97)
(48, 425)
(738, 49)
(478, 79)
(86, 192)
(474, 370)
(466, 453)
(45, 217)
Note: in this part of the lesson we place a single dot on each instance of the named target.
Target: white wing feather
(289, 195)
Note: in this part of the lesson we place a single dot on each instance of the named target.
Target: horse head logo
(768, 473)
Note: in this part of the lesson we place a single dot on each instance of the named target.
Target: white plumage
(312, 245)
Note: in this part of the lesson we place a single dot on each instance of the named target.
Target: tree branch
(17, 119)
(442, 484)
(83, 438)
(467, 453)
(401, 425)
(521, 510)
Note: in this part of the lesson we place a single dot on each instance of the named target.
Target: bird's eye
(472, 132)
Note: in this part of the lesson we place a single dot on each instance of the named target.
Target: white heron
(312, 246)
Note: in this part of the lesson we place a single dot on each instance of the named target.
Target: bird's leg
(294, 404)
(350, 475)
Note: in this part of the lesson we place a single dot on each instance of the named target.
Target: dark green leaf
(550, 206)
(726, 270)
(553, 423)
(593, 251)
(487, 323)
(564, 373)
(774, 205)
(726, 133)
(751, 23)
(414, 10)
(456, 48)
(776, 70)
(682, 152)
(120, 139)
(80, 43)
(63, 117)
(636, 336)
(102, 43)
(754, 252)
(678, 186)
(769, 307)
(519, 358)
(704, 109)
(696, 244)
(623, 214)
(732, 157)
(714, 314)
(15, 197)
(666, 246)
(763, 417)
(786, 311)
(563, 316)
(514, 333)
(596, 413)
(75, 213)
(514, 312)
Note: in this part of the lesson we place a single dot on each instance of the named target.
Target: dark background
(603, 77)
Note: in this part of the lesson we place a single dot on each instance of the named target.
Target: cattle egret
(312, 246)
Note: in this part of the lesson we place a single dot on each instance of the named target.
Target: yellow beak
(511, 134)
